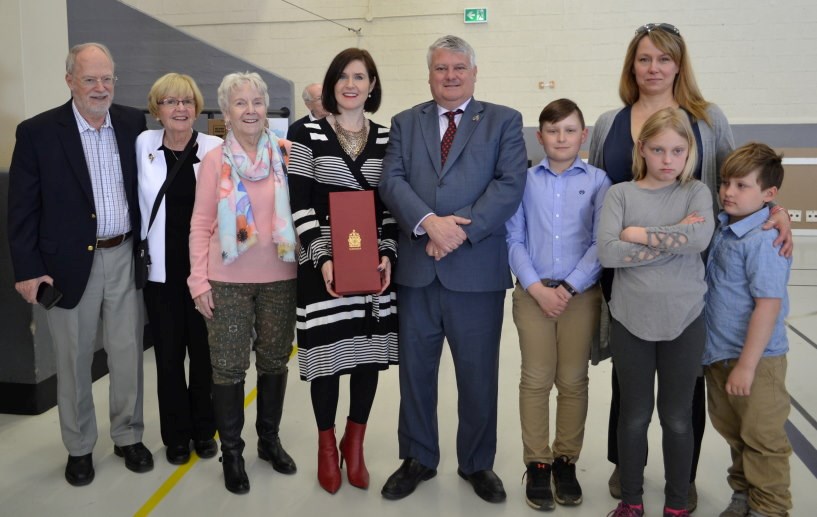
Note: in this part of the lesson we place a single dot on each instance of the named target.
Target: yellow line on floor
(178, 474)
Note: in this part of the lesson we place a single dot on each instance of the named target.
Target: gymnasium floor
(33, 458)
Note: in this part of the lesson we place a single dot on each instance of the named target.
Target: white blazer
(152, 171)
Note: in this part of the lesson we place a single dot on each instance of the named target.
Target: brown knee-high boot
(351, 449)
(328, 468)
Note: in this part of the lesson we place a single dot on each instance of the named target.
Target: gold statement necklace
(352, 142)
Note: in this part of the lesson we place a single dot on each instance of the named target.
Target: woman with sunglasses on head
(177, 329)
(657, 74)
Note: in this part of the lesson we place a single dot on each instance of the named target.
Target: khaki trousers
(753, 428)
(554, 351)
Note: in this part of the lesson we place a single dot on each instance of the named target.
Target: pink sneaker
(627, 510)
(671, 512)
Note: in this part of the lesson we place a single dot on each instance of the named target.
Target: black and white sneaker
(537, 487)
(567, 488)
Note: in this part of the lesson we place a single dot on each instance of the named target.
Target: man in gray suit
(454, 172)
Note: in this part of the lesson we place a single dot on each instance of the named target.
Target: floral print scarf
(236, 224)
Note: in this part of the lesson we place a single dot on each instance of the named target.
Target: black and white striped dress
(338, 335)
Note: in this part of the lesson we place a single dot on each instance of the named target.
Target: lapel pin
(150, 157)
(476, 118)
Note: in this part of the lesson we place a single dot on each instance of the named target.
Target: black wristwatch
(569, 288)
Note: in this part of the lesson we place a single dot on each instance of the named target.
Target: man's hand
(445, 231)
(434, 252)
(28, 288)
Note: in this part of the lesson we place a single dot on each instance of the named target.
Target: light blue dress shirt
(743, 265)
(553, 232)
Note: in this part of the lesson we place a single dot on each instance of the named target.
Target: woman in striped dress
(355, 334)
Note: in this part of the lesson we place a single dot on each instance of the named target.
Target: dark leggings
(698, 423)
(676, 363)
(698, 402)
(324, 390)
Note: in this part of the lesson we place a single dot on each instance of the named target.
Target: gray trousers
(112, 296)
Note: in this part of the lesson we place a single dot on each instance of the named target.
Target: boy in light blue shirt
(557, 300)
(746, 345)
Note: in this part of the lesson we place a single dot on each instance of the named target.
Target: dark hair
(755, 156)
(336, 67)
(558, 110)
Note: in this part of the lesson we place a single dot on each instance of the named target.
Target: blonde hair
(685, 89)
(173, 84)
(668, 118)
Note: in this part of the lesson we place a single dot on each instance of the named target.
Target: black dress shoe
(80, 470)
(486, 484)
(406, 478)
(178, 454)
(137, 457)
(205, 448)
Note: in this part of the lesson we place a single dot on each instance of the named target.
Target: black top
(179, 199)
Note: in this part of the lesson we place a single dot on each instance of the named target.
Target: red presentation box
(354, 242)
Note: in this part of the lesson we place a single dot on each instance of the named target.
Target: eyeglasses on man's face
(666, 27)
(173, 102)
(106, 81)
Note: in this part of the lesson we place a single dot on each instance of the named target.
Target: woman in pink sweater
(242, 273)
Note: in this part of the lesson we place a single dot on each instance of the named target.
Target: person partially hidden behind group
(354, 335)
(178, 330)
(242, 273)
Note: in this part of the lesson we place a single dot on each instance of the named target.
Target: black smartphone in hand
(48, 295)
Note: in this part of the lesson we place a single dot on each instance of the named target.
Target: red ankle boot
(351, 448)
(328, 469)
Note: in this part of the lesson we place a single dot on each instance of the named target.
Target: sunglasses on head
(666, 27)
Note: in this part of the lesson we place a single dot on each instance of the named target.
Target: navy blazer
(51, 211)
(483, 180)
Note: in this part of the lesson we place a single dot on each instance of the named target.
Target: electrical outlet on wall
(796, 215)
(811, 216)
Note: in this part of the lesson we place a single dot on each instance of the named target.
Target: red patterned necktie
(448, 136)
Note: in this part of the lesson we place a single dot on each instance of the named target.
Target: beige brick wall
(757, 59)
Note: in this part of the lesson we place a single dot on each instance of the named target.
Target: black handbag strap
(169, 179)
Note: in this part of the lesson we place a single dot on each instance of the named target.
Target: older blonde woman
(178, 330)
(242, 278)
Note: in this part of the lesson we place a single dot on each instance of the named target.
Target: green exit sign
(476, 15)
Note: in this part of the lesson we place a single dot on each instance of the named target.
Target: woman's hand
(785, 240)
(328, 272)
(385, 273)
(204, 304)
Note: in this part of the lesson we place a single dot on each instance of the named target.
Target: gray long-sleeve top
(657, 291)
